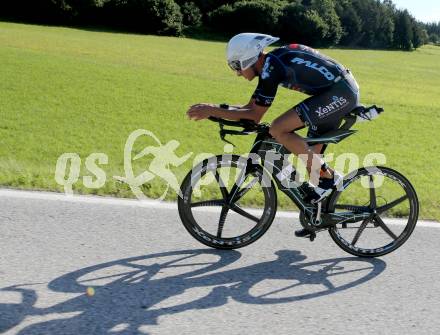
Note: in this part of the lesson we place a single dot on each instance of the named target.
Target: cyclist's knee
(276, 130)
(280, 127)
(285, 124)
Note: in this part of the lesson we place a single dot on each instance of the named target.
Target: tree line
(319, 23)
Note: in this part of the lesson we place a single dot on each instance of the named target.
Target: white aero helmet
(243, 49)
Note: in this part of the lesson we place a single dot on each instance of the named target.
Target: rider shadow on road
(135, 292)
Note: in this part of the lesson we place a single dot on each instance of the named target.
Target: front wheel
(393, 206)
(214, 197)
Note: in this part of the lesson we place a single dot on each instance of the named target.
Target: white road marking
(89, 199)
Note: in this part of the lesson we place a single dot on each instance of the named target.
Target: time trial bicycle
(230, 201)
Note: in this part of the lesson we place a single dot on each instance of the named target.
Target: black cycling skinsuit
(334, 91)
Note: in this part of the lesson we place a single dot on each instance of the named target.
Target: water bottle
(369, 115)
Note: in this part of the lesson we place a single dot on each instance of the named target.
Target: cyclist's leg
(321, 113)
(281, 130)
(324, 113)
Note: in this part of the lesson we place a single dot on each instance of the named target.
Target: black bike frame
(263, 145)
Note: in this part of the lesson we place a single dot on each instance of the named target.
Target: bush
(403, 34)
(327, 12)
(218, 17)
(37, 11)
(192, 16)
(351, 24)
(161, 17)
(207, 6)
(81, 11)
(257, 15)
(434, 38)
(377, 23)
(302, 25)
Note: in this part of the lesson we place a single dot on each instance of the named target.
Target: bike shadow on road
(127, 294)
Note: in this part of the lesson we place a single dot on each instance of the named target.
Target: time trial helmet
(244, 49)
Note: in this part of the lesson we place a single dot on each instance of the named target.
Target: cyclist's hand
(199, 111)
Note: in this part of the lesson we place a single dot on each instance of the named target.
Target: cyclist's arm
(257, 106)
(249, 104)
(264, 94)
(251, 111)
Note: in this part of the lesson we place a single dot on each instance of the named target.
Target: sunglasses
(235, 65)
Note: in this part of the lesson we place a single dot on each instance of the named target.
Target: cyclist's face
(249, 73)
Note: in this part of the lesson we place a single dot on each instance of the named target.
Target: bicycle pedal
(312, 236)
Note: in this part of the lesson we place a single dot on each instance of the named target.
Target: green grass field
(70, 90)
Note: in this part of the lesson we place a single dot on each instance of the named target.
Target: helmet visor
(235, 65)
(249, 62)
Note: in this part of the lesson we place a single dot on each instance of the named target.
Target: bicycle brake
(223, 134)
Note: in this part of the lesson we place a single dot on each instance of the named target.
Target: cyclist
(332, 89)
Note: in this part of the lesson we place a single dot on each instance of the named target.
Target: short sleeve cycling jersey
(296, 67)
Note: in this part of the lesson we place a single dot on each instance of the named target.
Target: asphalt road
(99, 266)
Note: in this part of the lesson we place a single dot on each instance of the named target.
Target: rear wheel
(394, 208)
(215, 194)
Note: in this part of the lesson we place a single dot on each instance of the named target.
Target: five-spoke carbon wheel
(393, 206)
(216, 197)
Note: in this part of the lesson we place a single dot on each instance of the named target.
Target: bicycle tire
(398, 241)
(195, 228)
